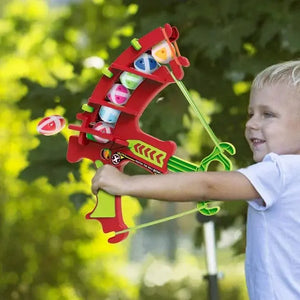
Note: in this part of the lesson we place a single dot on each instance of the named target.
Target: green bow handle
(177, 164)
(216, 155)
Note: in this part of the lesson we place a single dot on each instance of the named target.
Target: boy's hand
(109, 179)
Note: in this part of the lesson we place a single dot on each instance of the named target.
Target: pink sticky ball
(51, 125)
(103, 128)
(118, 94)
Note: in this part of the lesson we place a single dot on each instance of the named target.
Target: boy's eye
(268, 114)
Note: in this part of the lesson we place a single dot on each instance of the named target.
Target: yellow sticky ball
(162, 52)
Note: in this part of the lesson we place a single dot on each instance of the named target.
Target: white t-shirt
(273, 229)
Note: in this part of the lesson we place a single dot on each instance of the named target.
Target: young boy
(271, 185)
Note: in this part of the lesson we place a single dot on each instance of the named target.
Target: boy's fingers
(94, 188)
(95, 184)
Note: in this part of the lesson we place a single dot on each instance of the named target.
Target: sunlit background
(51, 57)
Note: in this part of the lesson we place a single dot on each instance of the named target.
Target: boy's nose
(252, 123)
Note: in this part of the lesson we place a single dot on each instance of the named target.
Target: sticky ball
(146, 63)
(51, 125)
(130, 80)
(118, 94)
(103, 128)
(162, 52)
(109, 115)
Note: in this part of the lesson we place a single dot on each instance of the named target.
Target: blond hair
(287, 72)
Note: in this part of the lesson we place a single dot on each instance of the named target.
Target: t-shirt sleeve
(267, 177)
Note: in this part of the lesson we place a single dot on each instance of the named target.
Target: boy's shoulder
(283, 160)
(275, 178)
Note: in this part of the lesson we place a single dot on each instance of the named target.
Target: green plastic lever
(136, 44)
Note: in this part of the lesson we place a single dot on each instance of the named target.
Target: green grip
(105, 207)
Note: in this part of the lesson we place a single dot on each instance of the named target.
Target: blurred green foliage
(184, 280)
(47, 249)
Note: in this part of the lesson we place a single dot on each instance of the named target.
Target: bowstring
(158, 221)
(198, 113)
(213, 137)
(185, 92)
(205, 125)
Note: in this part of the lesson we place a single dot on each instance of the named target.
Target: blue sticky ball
(146, 63)
(108, 114)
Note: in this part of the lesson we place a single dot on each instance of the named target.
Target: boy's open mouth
(256, 141)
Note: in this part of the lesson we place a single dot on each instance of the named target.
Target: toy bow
(109, 132)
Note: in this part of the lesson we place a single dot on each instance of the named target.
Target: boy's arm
(193, 186)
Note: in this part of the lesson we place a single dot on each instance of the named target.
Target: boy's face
(274, 121)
